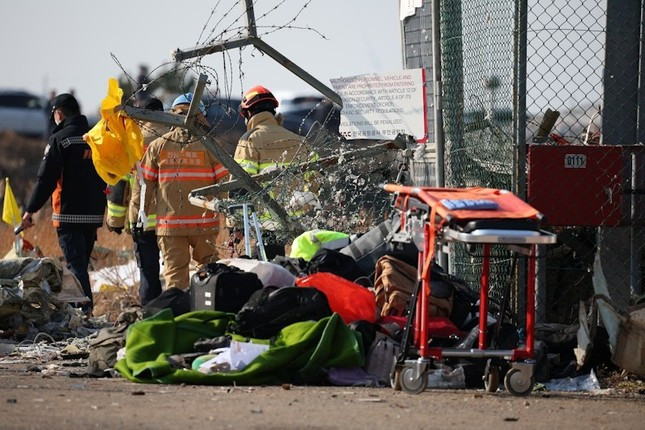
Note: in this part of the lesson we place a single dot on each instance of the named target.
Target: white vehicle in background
(23, 112)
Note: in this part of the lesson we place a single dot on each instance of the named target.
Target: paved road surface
(31, 400)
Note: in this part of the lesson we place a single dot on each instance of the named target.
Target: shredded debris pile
(35, 298)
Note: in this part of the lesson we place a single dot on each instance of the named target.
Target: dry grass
(621, 380)
(112, 302)
(43, 235)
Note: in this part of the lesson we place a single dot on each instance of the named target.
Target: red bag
(351, 301)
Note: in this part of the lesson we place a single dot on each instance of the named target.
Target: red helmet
(256, 95)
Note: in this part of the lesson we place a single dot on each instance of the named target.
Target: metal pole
(519, 157)
(438, 96)
(250, 17)
(201, 50)
(247, 230)
(539, 283)
(438, 110)
(520, 98)
(196, 100)
(297, 70)
(145, 115)
(258, 236)
(635, 287)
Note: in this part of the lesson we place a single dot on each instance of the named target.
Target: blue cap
(185, 99)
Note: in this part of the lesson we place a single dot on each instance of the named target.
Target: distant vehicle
(23, 112)
(301, 113)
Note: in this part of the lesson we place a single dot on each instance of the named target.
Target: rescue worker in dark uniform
(124, 204)
(67, 174)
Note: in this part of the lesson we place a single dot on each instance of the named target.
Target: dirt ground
(34, 400)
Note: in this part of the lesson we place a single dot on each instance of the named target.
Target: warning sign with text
(382, 105)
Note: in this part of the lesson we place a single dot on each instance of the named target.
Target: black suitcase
(218, 287)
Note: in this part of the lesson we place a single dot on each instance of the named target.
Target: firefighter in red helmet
(267, 145)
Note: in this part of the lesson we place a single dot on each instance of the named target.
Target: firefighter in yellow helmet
(172, 166)
(267, 145)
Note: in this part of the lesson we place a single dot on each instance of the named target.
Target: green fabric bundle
(298, 354)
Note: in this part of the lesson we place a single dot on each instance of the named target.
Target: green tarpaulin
(298, 354)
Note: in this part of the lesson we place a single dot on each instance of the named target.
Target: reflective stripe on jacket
(150, 132)
(268, 144)
(67, 174)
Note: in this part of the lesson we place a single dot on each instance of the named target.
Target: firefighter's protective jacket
(172, 166)
(124, 197)
(267, 144)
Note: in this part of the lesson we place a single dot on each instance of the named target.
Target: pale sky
(66, 44)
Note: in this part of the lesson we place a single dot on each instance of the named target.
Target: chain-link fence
(477, 69)
(582, 74)
(335, 189)
(543, 98)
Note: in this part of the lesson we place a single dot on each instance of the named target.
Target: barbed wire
(342, 195)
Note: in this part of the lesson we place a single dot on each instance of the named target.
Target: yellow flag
(10, 211)
(116, 140)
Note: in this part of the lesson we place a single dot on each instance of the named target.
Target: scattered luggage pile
(329, 316)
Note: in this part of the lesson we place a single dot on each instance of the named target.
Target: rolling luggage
(218, 287)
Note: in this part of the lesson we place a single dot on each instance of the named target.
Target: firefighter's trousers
(176, 252)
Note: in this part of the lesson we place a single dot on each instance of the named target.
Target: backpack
(175, 299)
(394, 285)
(218, 287)
(104, 348)
(464, 302)
(270, 274)
(268, 311)
(296, 266)
(332, 261)
(381, 357)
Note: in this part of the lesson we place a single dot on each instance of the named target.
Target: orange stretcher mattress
(507, 205)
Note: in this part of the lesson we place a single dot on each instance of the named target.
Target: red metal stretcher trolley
(484, 216)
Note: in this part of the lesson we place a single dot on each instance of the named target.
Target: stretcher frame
(428, 223)
(249, 219)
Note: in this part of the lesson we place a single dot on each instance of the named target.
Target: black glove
(137, 232)
(116, 230)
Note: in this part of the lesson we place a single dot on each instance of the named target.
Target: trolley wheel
(518, 384)
(413, 384)
(491, 379)
(395, 379)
